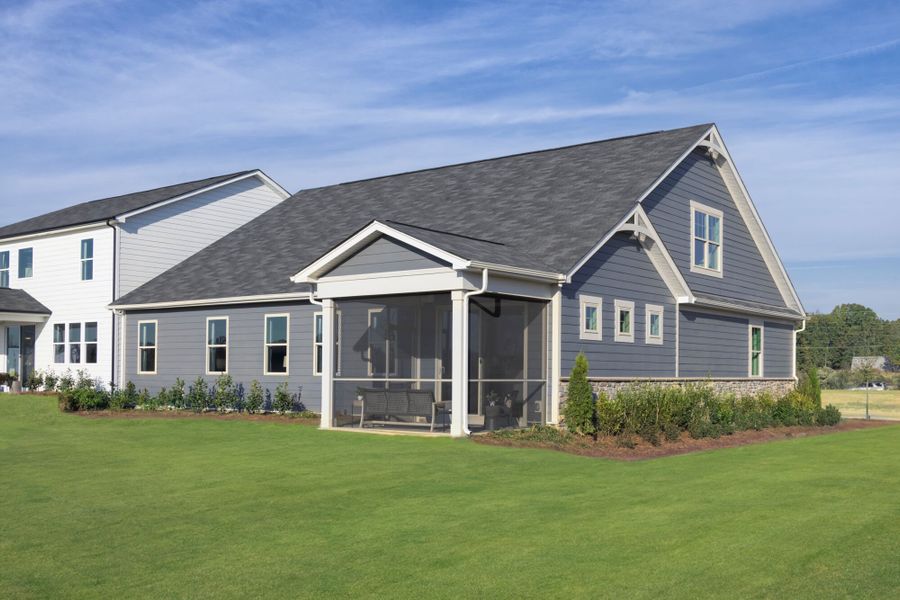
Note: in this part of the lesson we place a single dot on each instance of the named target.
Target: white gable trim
(265, 179)
(362, 238)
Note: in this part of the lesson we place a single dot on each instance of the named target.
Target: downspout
(794, 354)
(115, 259)
(465, 365)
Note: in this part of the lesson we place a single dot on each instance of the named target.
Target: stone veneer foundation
(740, 387)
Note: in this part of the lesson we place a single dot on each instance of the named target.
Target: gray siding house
(458, 297)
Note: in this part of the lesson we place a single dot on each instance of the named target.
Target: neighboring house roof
(540, 210)
(20, 301)
(108, 208)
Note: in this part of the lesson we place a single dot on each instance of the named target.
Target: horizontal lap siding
(745, 274)
(619, 271)
(182, 347)
(154, 241)
(384, 255)
(715, 345)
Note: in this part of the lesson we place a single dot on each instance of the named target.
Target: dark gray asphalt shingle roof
(107, 208)
(543, 210)
(20, 301)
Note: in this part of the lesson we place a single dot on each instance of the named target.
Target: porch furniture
(394, 405)
(505, 414)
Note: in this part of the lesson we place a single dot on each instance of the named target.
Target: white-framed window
(216, 345)
(4, 269)
(624, 324)
(319, 347)
(90, 343)
(26, 263)
(275, 359)
(59, 343)
(706, 239)
(74, 343)
(87, 259)
(756, 350)
(382, 342)
(653, 329)
(147, 347)
(591, 311)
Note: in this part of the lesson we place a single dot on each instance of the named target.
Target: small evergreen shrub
(283, 401)
(50, 381)
(828, 416)
(810, 386)
(176, 394)
(66, 382)
(145, 400)
(255, 397)
(225, 395)
(198, 395)
(35, 381)
(580, 412)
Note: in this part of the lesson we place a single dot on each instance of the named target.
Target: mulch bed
(186, 414)
(607, 446)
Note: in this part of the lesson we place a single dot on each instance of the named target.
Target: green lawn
(885, 405)
(106, 508)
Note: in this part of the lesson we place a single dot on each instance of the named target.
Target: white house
(60, 271)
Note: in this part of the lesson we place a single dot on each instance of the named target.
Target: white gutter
(465, 365)
(213, 301)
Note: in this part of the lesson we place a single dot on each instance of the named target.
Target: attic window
(706, 239)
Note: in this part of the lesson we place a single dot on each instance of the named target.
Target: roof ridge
(505, 156)
(460, 235)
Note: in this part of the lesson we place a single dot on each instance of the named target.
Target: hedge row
(224, 396)
(654, 411)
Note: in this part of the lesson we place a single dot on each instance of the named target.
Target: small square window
(624, 321)
(591, 311)
(654, 324)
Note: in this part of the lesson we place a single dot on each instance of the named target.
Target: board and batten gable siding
(620, 270)
(718, 345)
(152, 242)
(56, 283)
(745, 275)
(181, 351)
(386, 255)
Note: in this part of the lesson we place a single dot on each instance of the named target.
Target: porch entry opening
(393, 367)
(20, 351)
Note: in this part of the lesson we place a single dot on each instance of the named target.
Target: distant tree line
(833, 339)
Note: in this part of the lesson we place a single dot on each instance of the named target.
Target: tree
(580, 411)
(833, 339)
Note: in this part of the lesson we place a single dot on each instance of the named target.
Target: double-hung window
(653, 332)
(591, 310)
(216, 345)
(706, 239)
(74, 343)
(147, 346)
(26, 263)
(624, 323)
(276, 350)
(90, 343)
(4, 269)
(319, 345)
(87, 259)
(59, 343)
(756, 350)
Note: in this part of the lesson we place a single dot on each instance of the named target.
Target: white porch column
(555, 354)
(327, 364)
(460, 338)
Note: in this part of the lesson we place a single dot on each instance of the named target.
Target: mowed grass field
(196, 508)
(883, 405)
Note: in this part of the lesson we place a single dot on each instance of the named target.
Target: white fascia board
(723, 306)
(360, 239)
(519, 271)
(22, 317)
(646, 193)
(212, 301)
(754, 223)
(51, 232)
(258, 174)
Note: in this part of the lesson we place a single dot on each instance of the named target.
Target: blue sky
(106, 97)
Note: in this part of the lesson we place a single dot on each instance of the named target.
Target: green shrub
(145, 400)
(198, 395)
(828, 416)
(543, 434)
(284, 401)
(66, 382)
(35, 381)
(225, 394)
(50, 381)
(810, 386)
(580, 410)
(255, 397)
(176, 394)
(672, 432)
